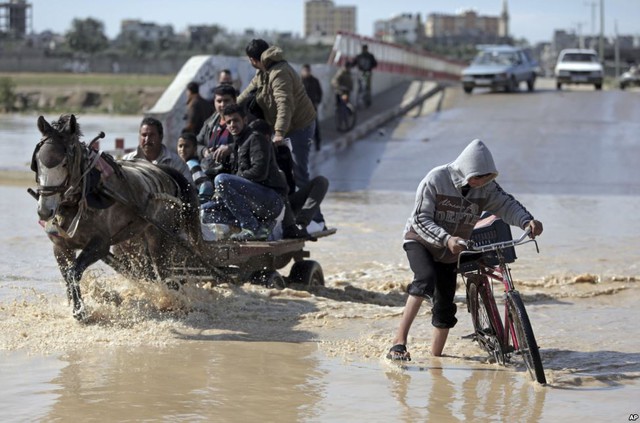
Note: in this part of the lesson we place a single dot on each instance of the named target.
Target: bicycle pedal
(470, 336)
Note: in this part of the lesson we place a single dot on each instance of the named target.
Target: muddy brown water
(247, 353)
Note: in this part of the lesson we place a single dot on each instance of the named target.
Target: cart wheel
(308, 273)
(269, 278)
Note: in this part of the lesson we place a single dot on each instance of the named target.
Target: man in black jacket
(253, 195)
(314, 91)
(366, 62)
(198, 109)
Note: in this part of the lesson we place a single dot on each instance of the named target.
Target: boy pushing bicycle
(449, 201)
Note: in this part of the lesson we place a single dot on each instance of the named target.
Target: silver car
(500, 67)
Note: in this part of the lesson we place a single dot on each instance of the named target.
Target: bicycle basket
(489, 231)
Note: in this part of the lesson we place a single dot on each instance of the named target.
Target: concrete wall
(171, 107)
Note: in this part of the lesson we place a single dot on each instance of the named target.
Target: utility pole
(617, 50)
(593, 5)
(579, 33)
(601, 43)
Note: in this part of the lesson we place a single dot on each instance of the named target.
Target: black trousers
(435, 280)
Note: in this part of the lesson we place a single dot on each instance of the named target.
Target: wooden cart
(255, 261)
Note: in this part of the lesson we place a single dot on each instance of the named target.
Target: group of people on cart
(248, 154)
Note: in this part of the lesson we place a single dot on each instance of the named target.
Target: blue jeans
(301, 140)
(244, 203)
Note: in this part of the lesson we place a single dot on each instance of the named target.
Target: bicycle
(345, 114)
(513, 335)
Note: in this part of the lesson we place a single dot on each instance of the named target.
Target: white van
(579, 66)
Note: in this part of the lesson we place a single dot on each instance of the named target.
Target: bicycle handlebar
(474, 249)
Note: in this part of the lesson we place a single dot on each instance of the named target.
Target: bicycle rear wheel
(485, 317)
(527, 346)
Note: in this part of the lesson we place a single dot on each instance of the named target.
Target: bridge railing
(395, 58)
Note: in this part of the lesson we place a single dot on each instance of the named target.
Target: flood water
(247, 353)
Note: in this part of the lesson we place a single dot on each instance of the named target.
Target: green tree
(7, 94)
(87, 36)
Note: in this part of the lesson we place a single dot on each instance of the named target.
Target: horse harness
(74, 190)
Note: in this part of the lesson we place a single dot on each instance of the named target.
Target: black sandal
(399, 353)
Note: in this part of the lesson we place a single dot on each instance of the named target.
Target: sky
(534, 20)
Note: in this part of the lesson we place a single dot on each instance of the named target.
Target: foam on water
(353, 317)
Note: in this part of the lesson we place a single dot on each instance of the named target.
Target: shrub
(7, 94)
(125, 103)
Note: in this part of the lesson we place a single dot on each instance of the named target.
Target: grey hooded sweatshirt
(442, 211)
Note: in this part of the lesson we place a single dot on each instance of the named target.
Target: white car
(579, 66)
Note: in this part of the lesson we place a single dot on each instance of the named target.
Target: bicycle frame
(502, 273)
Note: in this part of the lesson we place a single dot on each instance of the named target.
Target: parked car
(579, 66)
(500, 67)
(630, 78)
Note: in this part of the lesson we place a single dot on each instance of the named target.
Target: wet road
(577, 142)
(570, 156)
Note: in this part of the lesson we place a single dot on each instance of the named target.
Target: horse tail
(190, 203)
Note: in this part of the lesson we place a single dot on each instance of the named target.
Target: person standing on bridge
(226, 78)
(366, 62)
(314, 91)
(449, 201)
(284, 103)
(198, 109)
(342, 83)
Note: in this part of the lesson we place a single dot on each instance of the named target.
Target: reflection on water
(208, 381)
(28, 389)
(450, 394)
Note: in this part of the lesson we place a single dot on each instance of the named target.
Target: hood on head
(475, 160)
(272, 55)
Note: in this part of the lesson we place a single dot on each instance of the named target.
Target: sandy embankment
(98, 99)
(22, 178)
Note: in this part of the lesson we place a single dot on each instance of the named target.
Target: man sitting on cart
(253, 195)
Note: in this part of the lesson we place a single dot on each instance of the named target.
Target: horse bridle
(73, 156)
(49, 190)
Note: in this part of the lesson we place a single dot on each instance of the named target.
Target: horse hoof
(80, 315)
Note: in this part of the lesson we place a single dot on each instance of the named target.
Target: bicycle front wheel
(526, 346)
(485, 317)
